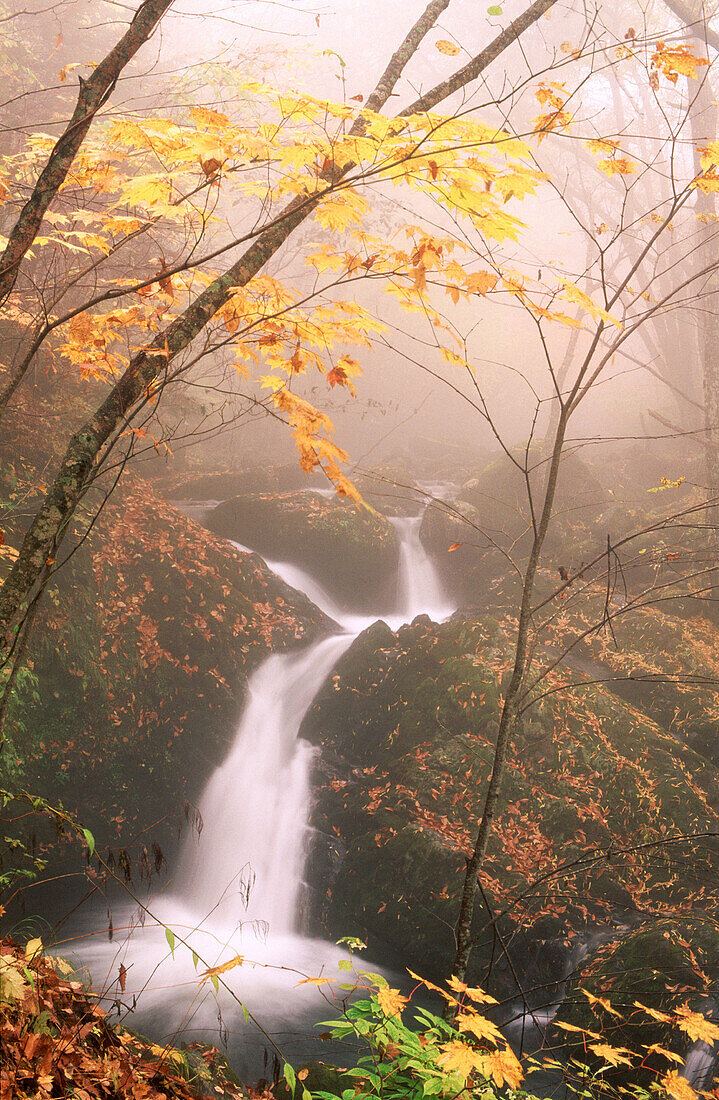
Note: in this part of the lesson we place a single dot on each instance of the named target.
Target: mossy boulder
(407, 726)
(353, 552)
(479, 538)
(136, 667)
(649, 980)
(225, 483)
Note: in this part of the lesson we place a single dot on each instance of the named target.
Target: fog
(467, 715)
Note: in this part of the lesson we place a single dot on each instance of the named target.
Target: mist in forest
(359, 498)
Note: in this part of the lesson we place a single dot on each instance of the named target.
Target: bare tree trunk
(507, 722)
(704, 121)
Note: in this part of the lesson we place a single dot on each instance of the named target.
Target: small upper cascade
(420, 590)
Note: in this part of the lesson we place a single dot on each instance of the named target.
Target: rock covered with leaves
(594, 788)
(140, 652)
(56, 1040)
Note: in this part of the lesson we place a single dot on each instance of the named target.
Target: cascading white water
(699, 1065)
(420, 589)
(255, 811)
(249, 857)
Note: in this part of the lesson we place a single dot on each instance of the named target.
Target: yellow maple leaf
(391, 1001)
(480, 282)
(33, 948)
(504, 1067)
(622, 166)
(676, 61)
(709, 155)
(552, 120)
(574, 294)
(12, 983)
(616, 1056)
(678, 1087)
(479, 1026)
(603, 146)
(459, 1057)
(696, 1026)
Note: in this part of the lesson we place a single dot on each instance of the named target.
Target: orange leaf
(446, 47)
(223, 968)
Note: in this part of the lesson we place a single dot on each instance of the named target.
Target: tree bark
(508, 718)
(93, 93)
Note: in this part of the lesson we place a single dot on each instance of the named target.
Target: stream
(238, 885)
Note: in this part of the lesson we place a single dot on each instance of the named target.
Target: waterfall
(249, 858)
(699, 1065)
(419, 588)
(238, 885)
(248, 862)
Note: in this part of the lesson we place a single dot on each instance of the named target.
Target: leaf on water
(454, 546)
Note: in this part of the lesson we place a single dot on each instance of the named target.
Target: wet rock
(354, 552)
(665, 965)
(489, 525)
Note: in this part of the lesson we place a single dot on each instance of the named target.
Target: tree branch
(94, 92)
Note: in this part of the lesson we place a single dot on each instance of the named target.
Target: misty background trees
(472, 281)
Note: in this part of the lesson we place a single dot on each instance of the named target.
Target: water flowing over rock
(238, 889)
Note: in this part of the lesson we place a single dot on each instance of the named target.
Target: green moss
(353, 551)
(663, 965)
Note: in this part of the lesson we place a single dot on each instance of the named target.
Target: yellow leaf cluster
(675, 61)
